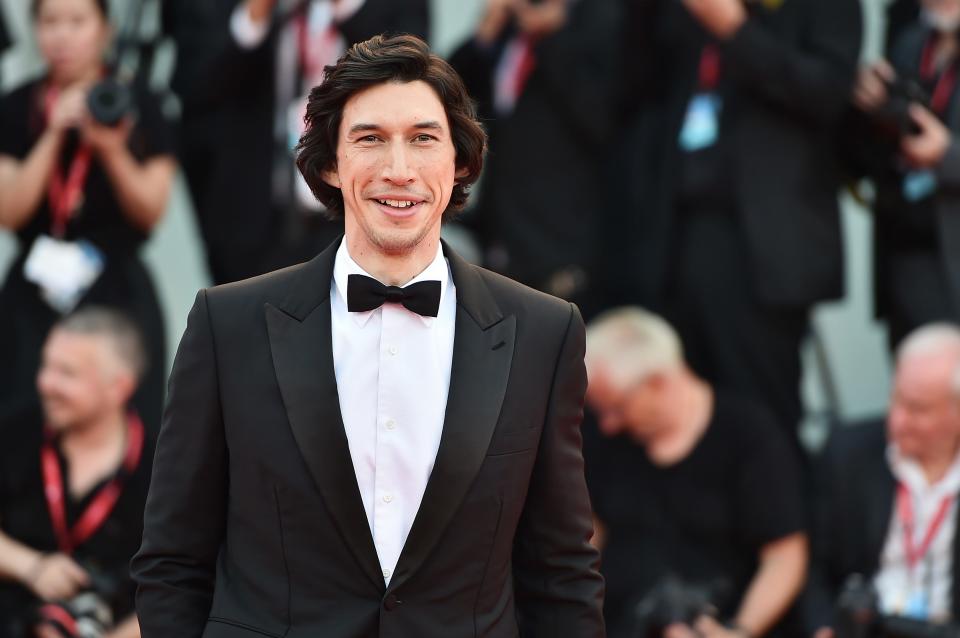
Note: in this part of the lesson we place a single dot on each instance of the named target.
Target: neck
(936, 466)
(392, 269)
(686, 424)
(97, 434)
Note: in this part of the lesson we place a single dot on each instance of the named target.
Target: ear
(331, 177)
(461, 173)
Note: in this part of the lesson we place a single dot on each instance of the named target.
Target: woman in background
(82, 199)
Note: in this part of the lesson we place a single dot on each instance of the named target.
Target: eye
(424, 137)
(369, 138)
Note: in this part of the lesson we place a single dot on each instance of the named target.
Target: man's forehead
(391, 104)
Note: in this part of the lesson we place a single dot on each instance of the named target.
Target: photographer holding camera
(703, 490)
(81, 196)
(73, 483)
(902, 137)
(886, 499)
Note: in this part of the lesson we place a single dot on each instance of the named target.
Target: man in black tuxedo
(383, 441)
(242, 66)
(886, 506)
(730, 221)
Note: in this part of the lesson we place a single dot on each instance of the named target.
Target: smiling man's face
(396, 167)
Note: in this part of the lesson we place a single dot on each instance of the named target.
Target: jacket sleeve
(811, 79)
(558, 590)
(186, 506)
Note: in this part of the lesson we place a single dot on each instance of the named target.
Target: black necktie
(366, 293)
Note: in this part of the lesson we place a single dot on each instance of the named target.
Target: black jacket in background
(542, 194)
(789, 72)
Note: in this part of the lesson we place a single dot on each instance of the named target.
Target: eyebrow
(363, 127)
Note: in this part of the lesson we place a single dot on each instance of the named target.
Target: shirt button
(386, 573)
(393, 350)
(391, 424)
(388, 498)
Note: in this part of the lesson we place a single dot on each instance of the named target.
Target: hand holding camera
(870, 91)
(925, 148)
(56, 577)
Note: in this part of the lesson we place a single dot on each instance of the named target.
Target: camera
(892, 120)
(673, 601)
(109, 101)
(858, 616)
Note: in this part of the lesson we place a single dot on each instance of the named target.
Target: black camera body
(109, 101)
(893, 120)
(672, 601)
(858, 616)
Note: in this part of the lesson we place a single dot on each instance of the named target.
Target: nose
(397, 169)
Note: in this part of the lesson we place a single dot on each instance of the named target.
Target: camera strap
(65, 193)
(96, 514)
(945, 84)
(905, 512)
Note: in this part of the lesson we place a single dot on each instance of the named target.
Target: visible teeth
(395, 203)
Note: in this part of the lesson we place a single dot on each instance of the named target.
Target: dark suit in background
(853, 508)
(229, 144)
(736, 242)
(254, 525)
(541, 205)
(916, 241)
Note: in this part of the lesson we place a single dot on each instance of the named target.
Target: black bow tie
(366, 293)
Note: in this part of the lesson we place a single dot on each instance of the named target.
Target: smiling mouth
(396, 203)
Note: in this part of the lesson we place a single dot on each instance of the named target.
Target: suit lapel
(879, 513)
(482, 355)
(301, 343)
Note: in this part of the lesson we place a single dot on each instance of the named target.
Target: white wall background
(847, 367)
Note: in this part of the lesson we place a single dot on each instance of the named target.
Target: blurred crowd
(672, 166)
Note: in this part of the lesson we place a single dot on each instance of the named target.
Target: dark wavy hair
(381, 59)
(101, 5)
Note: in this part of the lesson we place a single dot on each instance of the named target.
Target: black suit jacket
(853, 508)
(790, 71)
(880, 159)
(229, 101)
(254, 525)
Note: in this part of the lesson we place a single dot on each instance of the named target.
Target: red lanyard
(65, 193)
(905, 510)
(102, 504)
(526, 64)
(945, 86)
(709, 69)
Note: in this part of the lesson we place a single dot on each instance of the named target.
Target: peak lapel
(301, 344)
(482, 355)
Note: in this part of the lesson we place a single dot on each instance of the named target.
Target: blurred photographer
(73, 483)
(729, 180)
(902, 136)
(887, 495)
(544, 74)
(698, 486)
(244, 70)
(81, 196)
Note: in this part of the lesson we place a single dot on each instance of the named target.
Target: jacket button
(391, 602)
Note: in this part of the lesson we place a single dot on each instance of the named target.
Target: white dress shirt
(393, 375)
(932, 578)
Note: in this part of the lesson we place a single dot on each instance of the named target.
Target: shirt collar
(344, 266)
(909, 472)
